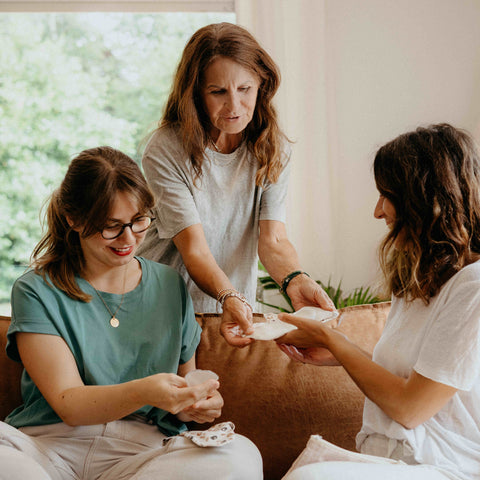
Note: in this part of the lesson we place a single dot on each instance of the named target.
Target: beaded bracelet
(289, 278)
(230, 292)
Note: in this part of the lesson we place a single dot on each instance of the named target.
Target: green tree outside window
(70, 82)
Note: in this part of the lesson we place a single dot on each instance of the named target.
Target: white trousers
(120, 450)
(381, 459)
(370, 471)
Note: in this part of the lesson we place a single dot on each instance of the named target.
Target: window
(71, 81)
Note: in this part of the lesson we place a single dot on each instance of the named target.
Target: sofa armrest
(10, 373)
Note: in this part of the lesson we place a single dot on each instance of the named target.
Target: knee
(17, 465)
(307, 472)
(246, 460)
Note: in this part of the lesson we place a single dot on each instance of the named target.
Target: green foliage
(359, 296)
(70, 82)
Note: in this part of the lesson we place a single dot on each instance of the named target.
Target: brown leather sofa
(274, 401)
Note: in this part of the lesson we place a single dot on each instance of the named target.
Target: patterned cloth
(215, 436)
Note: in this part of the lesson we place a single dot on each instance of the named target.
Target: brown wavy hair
(86, 197)
(432, 178)
(185, 111)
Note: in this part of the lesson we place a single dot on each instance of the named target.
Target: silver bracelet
(230, 292)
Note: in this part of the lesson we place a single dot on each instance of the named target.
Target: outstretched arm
(409, 401)
(210, 278)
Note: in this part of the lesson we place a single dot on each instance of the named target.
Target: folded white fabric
(319, 450)
(273, 328)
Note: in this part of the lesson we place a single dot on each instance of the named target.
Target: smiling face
(229, 94)
(101, 254)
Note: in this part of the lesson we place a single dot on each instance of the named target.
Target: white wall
(355, 75)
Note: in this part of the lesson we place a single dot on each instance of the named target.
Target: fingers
(207, 389)
(237, 313)
(299, 322)
(233, 339)
(291, 351)
(324, 300)
(243, 321)
(187, 396)
(206, 410)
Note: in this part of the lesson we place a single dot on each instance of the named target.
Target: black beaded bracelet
(289, 278)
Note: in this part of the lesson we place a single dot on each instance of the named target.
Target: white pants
(120, 450)
(381, 459)
(353, 470)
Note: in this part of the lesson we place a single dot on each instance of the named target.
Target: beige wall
(357, 73)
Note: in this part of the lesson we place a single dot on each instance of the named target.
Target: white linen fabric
(440, 341)
(225, 200)
(127, 449)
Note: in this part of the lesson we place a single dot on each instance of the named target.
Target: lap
(124, 450)
(180, 458)
(354, 470)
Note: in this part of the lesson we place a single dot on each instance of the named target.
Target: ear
(72, 224)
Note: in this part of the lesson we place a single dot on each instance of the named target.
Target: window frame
(152, 6)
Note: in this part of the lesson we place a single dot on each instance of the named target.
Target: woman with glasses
(106, 339)
(219, 166)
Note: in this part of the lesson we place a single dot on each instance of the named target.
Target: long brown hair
(86, 197)
(184, 109)
(432, 178)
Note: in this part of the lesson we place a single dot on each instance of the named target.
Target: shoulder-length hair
(185, 110)
(432, 178)
(86, 198)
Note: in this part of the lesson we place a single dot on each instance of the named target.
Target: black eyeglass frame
(129, 224)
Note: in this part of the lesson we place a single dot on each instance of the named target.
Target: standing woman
(106, 338)
(423, 383)
(218, 165)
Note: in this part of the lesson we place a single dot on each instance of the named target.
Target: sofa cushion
(277, 402)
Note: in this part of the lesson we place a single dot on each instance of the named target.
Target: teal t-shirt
(157, 332)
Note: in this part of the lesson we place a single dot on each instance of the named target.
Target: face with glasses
(117, 243)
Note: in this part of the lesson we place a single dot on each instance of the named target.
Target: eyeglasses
(139, 225)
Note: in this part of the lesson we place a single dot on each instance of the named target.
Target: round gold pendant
(114, 322)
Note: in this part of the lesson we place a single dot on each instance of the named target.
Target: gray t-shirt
(225, 201)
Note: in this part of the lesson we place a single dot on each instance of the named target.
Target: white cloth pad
(273, 328)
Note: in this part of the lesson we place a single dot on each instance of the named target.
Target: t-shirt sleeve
(273, 201)
(166, 170)
(451, 350)
(30, 311)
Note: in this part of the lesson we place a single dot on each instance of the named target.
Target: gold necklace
(114, 321)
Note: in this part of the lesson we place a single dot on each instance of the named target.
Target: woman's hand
(171, 393)
(309, 333)
(307, 344)
(305, 292)
(236, 313)
(203, 411)
(314, 356)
